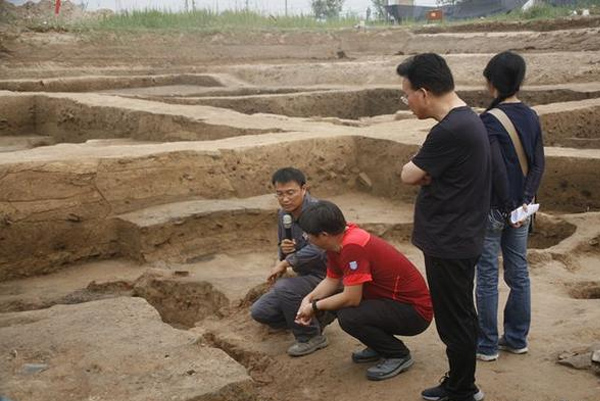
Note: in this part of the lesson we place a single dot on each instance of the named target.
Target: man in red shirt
(384, 294)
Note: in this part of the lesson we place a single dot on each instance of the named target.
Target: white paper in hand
(519, 214)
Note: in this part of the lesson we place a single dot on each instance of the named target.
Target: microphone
(287, 224)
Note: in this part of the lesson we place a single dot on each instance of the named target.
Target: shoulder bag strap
(512, 132)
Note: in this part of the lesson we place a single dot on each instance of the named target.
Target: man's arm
(351, 296)
(413, 175)
(305, 258)
(325, 288)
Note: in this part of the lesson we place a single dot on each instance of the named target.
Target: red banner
(57, 7)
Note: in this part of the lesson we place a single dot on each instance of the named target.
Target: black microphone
(287, 224)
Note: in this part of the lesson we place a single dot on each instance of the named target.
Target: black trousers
(451, 286)
(375, 322)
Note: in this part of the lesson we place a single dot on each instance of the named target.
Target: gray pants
(278, 307)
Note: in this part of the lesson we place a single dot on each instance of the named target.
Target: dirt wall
(385, 169)
(67, 120)
(570, 184)
(63, 213)
(343, 104)
(466, 68)
(193, 238)
(92, 84)
(17, 115)
(573, 125)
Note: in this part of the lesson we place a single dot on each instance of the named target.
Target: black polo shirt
(451, 212)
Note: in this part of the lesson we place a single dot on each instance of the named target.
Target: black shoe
(439, 393)
(389, 367)
(365, 355)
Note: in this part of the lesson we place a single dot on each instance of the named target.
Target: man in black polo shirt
(453, 169)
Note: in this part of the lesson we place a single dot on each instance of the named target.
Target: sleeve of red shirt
(355, 265)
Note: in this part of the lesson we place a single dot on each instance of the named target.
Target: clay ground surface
(137, 222)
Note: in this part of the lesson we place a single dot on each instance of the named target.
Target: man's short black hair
(288, 174)
(428, 71)
(323, 216)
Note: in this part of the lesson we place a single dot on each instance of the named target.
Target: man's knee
(284, 284)
(261, 311)
(287, 288)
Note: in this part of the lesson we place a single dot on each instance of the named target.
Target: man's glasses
(404, 100)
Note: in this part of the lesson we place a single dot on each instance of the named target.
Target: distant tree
(379, 6)
(326, 8)
(447, 2)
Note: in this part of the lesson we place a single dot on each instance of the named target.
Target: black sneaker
(365, 355)
(389, 367)
(439, 393)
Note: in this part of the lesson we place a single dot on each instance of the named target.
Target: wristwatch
(314, 305)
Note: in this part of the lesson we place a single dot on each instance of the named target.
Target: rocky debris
(596, 361)
(116, 349)
(582, 358)
(32, 368)
(43, 11)
(365, 181)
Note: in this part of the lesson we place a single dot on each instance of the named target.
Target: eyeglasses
(290, 193)
(404, 98)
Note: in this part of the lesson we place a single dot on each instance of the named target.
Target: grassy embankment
(207, 21)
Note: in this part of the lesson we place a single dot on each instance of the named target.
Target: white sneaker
(502, 345)
(512, 350)
(487, 358)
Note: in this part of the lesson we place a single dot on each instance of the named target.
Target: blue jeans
(517, 312)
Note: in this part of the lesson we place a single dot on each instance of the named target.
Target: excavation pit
(96, 204)
(585, 290)
(354, 104)
(173, 175)
(548, 231)
(29, 121)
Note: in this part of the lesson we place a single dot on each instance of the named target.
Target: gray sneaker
(308, 347)
(389, 367)
(365, 355)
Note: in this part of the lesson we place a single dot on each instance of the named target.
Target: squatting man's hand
(277, 271)
(305, 313)
(288, 246)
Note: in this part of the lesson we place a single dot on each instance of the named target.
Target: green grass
(206, 20)
(542, 11)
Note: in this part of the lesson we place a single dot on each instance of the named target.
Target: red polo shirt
(383, 271)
